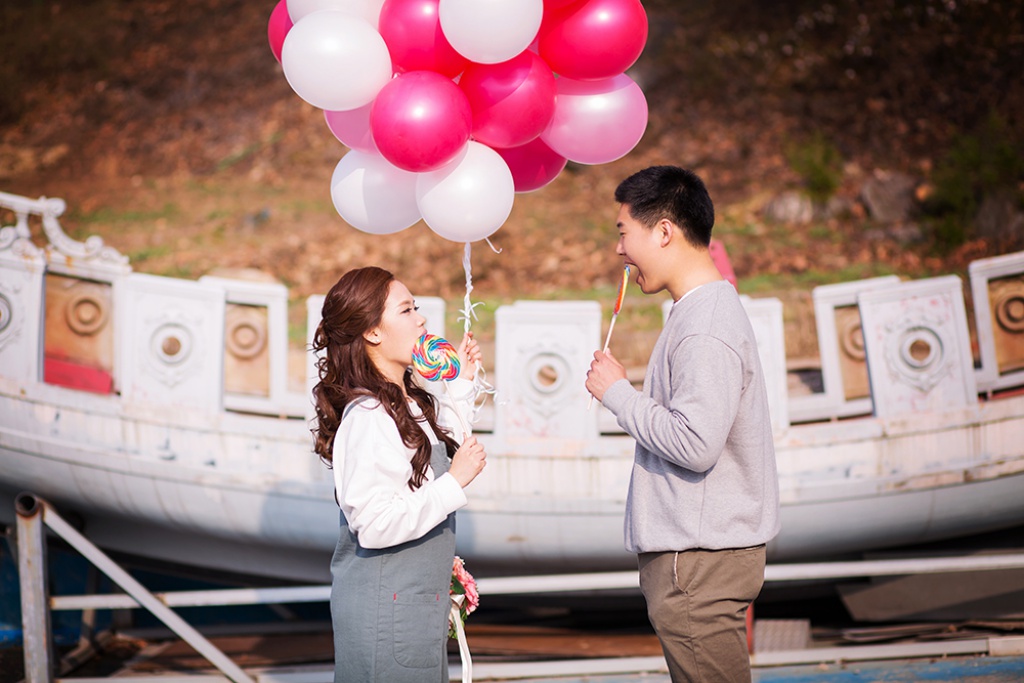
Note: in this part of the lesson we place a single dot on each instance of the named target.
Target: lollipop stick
(458, 413)
(607, 340)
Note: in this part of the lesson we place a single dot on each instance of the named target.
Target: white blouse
(372, 468)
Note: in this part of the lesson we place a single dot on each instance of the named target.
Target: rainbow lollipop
(615, 314)
(618, 301)
(436, 359)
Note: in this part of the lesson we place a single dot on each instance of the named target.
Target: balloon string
(481, 387)
(468, 307)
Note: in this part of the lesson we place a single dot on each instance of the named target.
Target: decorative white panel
(544, 349)
(21, 305)
(22, 267)
(918, 347)
(839, 342)
(766, 319)
(171, 341)
(245, 337)
(314, 306)
(997, 288)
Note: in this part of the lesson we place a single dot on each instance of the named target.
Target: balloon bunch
(450, 107)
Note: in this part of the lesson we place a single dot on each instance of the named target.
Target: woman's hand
(468, 462)
(469, 356)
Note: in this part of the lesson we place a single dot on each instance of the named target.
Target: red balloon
(533, 165)
(557, 4)
(593, 40)
(412, 31)
(277, 28)
(512, 101)
(420, 121)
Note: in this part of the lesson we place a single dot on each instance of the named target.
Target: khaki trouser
(697, 602)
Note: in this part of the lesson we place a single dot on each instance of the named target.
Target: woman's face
(400, 327)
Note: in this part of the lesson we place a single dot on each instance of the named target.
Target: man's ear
(666, 231)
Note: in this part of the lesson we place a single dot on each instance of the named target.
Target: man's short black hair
(670, 192)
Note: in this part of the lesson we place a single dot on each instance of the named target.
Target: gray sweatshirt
(704, 471)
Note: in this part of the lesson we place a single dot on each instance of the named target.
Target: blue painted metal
(953, 670)
(67, 573)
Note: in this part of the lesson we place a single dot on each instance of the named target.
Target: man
(703, 497)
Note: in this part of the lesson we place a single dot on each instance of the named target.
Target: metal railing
(33, 514)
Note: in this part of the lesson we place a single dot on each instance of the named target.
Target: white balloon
(364, 9)
(335, 61)
(469, 198)
(372, 195)
(490, 31)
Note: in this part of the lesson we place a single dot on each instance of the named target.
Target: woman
(399, 475)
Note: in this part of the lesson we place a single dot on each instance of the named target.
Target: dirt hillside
(170, 130)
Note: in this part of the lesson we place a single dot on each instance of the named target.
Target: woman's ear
(372, 336)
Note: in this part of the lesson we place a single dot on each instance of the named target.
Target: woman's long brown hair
(354, 305)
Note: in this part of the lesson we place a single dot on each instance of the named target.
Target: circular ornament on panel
(851, 339)
(86, 314)
(547, 373)
(11, 316)
(171, 344)
(6, 316)
(918, 353)
(246, 334)
(546, 376)
(1009, 310)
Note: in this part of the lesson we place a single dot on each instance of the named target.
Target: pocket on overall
(419, 639)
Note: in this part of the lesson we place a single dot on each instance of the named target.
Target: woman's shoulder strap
(353, 403)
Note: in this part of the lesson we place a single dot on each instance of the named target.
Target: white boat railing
(35, 513)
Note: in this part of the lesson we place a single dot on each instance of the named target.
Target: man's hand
(605, 370)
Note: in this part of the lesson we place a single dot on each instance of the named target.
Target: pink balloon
(593, 40)
(352, 128)
(556, 4)
(277, 28)
(533, 165)
(412, 31)
(512, 101)
(596, 121)
(420, 121)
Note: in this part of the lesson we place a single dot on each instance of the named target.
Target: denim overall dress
(390, 606)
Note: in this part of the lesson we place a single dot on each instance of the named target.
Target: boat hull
(246, 495)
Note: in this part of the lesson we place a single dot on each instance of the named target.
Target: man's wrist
(616, 395)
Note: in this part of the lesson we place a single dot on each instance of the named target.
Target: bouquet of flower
(463, 594)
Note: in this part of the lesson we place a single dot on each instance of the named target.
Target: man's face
(639, 247)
